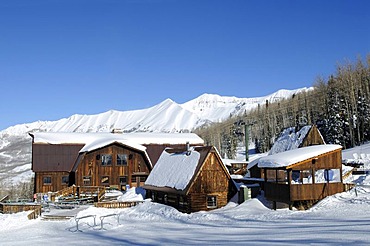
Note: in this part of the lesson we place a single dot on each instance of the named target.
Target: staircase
(81, 193)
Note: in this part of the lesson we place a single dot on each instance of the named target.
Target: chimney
(117, 130)
(188, 151)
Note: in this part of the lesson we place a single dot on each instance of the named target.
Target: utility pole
(246, 134)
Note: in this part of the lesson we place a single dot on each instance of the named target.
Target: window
(106, 160)
(327, 175)
(86, 180)
(104, 180)
(123, 180)
(296, 176)
(47, 180)
(282, 176)
(211, 202)
(65, 180)
(122, 159)
(306, 177)
(271, 175)
(182, 201)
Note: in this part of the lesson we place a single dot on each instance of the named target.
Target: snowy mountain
(167, 116)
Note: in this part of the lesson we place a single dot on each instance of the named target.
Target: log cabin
(60, 160)
(303, 176)
(190, 180)
(289, 139)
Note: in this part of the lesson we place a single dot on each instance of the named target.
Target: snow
(138, 138)
(167, 116)
(174, 170)
(227, 162)
(289, 139)
(134, 194)
(341, 219)
(216, 108)
(289, 157)
(359, 154)
(106, 141)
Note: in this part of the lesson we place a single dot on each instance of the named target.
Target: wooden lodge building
(116, 160)
(190, 180)
(303, 176)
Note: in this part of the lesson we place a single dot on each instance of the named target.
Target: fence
(35, 213)
(116, 204)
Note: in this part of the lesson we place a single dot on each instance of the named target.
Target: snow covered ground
(337, 220)
(342, 219)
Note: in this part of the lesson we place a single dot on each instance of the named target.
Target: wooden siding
(10, 208)
(55, 184)
(301, 192)
(331, 160)
(313, 137)
(211, 180)
(136, 169)
(304, 192)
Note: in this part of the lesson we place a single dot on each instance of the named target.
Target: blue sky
(65, 57)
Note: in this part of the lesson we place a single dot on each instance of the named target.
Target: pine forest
(339, 105)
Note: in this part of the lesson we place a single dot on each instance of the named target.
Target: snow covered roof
(174, 170)
(138, 138)
(290, 157)
(229, 162)
(289, 139)
(102, 142)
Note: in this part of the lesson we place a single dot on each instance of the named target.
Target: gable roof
(178, 169)
(174, 170)
(101, 143)
(61, 159)
(287, 158)
(290, 139)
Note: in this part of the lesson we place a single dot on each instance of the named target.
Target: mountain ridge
(166, 116)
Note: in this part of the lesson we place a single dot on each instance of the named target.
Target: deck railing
(98, 191)
(35, 213)
(116, 204)
(301, 192)
(67, 191)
